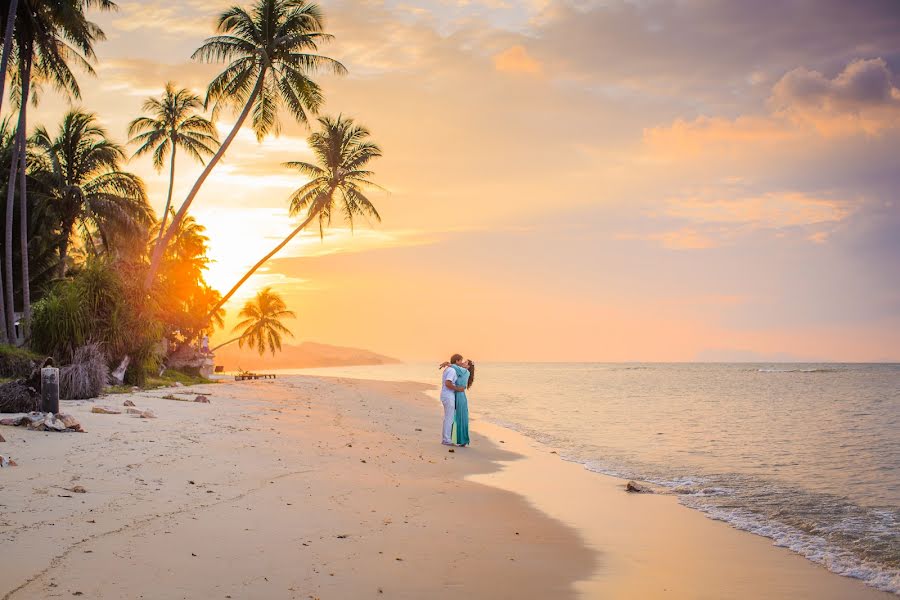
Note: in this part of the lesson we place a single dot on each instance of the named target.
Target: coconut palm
(9, 21)
(46, 35)
(87, 187)
(337, 183)
(262, 322)
(270, 51)
(174, 123)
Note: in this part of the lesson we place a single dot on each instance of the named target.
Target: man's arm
(451, 386)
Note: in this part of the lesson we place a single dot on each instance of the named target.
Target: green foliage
(174, 123)
(88, 192)
(102, 304)
(16, 363)
(271, 52)
(262, 322)
(184, 299)
(173, 376)
(340, 177)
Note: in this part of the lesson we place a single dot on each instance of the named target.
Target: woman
(465, 376)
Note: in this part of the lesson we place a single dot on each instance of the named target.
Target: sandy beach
(309, 487)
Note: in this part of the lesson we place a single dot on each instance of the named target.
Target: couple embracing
(456, 378)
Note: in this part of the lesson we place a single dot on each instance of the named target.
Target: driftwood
(23, 395)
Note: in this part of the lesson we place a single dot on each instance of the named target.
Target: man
(448, 398)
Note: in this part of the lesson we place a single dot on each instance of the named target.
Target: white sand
(318, 488)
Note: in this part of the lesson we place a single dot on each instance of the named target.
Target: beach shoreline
(317, 487)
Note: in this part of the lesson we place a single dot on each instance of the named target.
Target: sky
(568, 180)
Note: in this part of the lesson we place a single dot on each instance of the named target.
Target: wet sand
(324, 488)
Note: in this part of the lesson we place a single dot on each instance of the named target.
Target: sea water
(805, 454)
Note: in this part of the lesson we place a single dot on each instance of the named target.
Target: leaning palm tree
(46, 35)
(174, 124)
(337, 183)
(87, 187)
(271, 54)
(262, 322)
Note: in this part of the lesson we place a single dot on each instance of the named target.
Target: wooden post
(50, 390)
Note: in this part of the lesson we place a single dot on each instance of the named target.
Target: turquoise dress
(461, 423)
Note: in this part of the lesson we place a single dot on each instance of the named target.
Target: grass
(171, 376)
(168, 379)
(17, 362)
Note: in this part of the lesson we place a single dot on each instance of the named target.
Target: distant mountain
(302, 356)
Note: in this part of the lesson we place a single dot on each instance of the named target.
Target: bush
(86, 376)
(103, 304)
(16, 363)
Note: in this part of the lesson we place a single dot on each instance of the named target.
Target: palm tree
(10, 20)
(87, 186)
(343, 150)
(262, 322)
(270, 51)
(174, 123)
(45, 37)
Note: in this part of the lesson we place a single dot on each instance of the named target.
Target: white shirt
(446, 393)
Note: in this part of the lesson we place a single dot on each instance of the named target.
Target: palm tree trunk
(7, 46)
(226, 343)
(23, 206)
(161, 246)
(64, 249)
(8, 233)
(162, 224)
(313, 213)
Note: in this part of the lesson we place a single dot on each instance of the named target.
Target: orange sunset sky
(569, 179)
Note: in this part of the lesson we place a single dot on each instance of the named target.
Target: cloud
(860, 98)
(803, 107)
(516, 59)
(715, 51)
(715, 219)
(862, 83)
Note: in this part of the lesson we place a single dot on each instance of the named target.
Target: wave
(815, 370)
(847, 539)
(813, 547)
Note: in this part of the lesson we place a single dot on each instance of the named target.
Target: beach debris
(202, 399)
(128, 403)
(343, 536)
(69, 421)
(39, 421)
(148, 414)
(179, 384)
(451, 450)
(637, 488)
(105, 410)
(78, 490)
(6, 461)
(418, 429)
(118, 375)
(131, 410)
(19, 396)
(2, 439)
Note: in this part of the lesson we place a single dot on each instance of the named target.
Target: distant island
(300, 356)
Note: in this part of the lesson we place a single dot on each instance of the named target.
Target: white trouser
(449, 416)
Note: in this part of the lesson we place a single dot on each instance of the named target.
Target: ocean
(805, 454)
